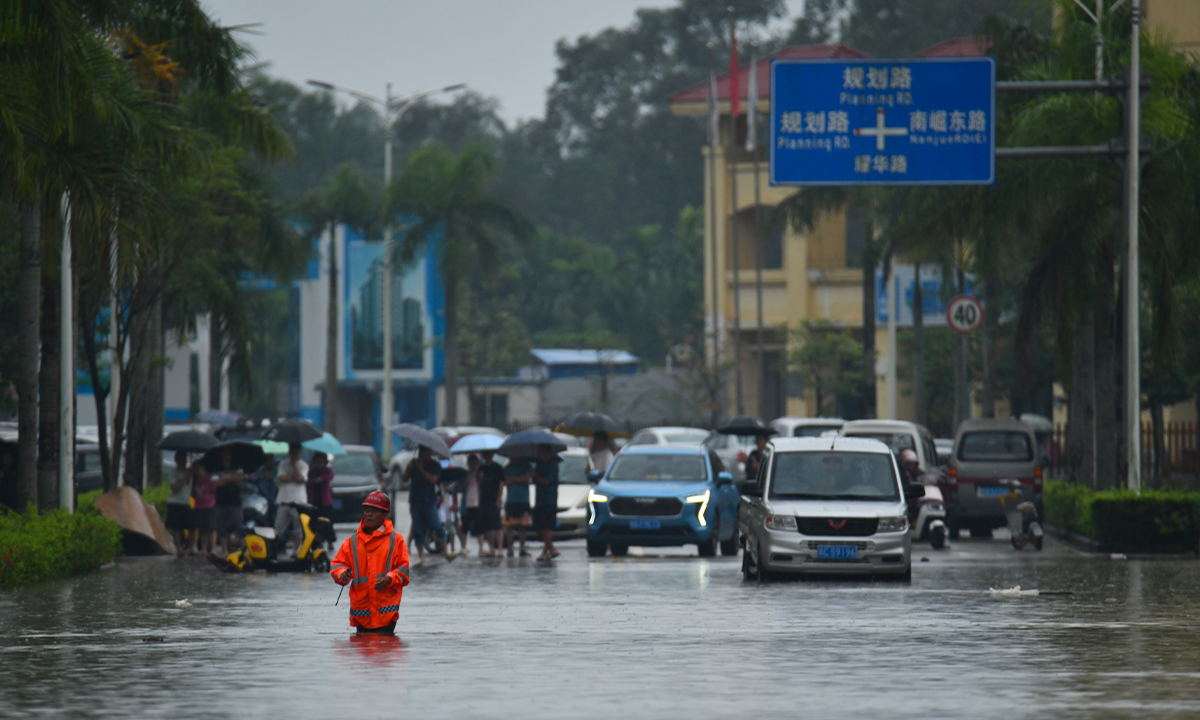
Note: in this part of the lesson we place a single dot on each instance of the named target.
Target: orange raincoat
(368, 556)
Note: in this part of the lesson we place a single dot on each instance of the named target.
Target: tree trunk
(215, 363)
(991, 324)
(962, 380)
(1106, 373)
(100, 393)
(450, 345)
(30, 288)
(1081, 410)
(48, 395)
(868, 291)
(135, 445)
(918, 348)
(155, 410)
(331, 334)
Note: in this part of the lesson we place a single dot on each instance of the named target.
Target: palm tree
(343, 199)
(442, 195)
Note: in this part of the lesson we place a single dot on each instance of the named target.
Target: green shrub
(35, 548)
(1120, 519)
(157, 496)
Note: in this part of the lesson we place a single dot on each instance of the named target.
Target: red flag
(735, 90)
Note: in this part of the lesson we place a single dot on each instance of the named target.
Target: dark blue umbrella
(525, 444)
(247, 456)
(293, 431)
(188, 441)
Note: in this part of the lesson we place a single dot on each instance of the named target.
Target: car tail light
(1037, 474)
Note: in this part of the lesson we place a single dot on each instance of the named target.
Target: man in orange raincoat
(374, 562)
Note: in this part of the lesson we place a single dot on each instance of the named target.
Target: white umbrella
(481, 442)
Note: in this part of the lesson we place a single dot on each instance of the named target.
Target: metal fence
(1180, 456)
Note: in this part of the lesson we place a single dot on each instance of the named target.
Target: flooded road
(659, 635)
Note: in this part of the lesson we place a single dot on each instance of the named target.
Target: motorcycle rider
(912, 467)
(374, 562)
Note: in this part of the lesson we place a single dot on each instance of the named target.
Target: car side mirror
(724, 478)
(914, 491)
(593, 476)
(749, 488)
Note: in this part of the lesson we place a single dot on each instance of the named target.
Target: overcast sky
(500, 48)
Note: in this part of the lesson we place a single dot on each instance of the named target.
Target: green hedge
(1163, 520)
(36, 548)
(157, 496)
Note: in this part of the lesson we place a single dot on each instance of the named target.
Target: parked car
(987, 452)
(654, 496)
(945, 448)
(573, 487)
(899, 435)
(408, 449)
(356, 474)
(822, 507)
(732, 449)
(668, 435)
(790, 426)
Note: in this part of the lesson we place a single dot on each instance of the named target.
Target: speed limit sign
(964, 314)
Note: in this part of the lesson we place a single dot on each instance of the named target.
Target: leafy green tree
(829, 360)
(442, 196)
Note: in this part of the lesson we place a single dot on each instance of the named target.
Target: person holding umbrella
(602, 456)
(179, 507)
(545, 511)
(744, 425)
(293, 479)
(227, 513)
(422, 474)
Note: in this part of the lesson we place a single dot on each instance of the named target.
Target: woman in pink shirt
(206, 499)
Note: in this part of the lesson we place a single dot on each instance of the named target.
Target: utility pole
(66, 368)
(1133, 168)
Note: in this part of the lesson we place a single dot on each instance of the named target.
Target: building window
(490, 409)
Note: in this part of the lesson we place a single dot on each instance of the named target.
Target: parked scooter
(927, 517)
(1022, 516)
(260, 550)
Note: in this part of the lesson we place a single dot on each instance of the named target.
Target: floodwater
(663, 635)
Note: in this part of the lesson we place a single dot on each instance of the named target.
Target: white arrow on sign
(880, 132)
(964, 314)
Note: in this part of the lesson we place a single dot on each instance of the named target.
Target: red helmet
(378, 500)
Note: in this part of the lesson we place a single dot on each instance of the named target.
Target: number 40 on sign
(965, 314)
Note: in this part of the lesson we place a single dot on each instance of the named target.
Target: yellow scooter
(259, 553)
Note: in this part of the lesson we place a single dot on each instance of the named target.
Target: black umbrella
(524, 444)
(293, 431)
(247, 456)
(188, 441)
(583, 424)
(746, 425)
(421, 436)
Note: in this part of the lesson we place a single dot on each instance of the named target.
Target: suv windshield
(834, 476)
(658, 467)
(353, 464)
(573, 470)
(688, 437)
(1012, 446)
(898, 442)
(812, 430)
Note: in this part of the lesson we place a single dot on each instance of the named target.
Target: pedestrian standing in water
(179, 506)
(374, 563)
(293, 476)
(491, 483)
(320, 481)
(601, 453)
(545, 511)
(202, 513)
(516, 507)
(422, 474)
(470, 504)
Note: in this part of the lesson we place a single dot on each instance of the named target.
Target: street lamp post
(389, 111)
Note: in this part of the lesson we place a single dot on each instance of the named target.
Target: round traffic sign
(964, 314)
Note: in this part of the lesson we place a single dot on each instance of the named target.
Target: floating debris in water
(152, 639)
(1117, 556)
(182, 603)
(1014, 592)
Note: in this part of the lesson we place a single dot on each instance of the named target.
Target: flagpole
(734, 99)
(752, 147)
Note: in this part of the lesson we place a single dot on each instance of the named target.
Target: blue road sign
(890, 121)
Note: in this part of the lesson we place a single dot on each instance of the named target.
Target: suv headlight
(892, 524)
(594, 497)
(702, 500)
(780, 522)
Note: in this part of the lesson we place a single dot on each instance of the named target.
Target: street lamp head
(322, 85)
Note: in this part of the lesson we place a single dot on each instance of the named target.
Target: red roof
(961, 46)
(698, 93)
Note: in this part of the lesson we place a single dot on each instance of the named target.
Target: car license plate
(337, 504)
(837, 552)
(643, 524)
(990, 490)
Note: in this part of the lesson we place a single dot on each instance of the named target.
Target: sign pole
(892, 349)
(1133, 136)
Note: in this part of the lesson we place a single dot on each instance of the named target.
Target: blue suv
(655, 495)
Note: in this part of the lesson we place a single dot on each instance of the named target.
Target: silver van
(987, 452)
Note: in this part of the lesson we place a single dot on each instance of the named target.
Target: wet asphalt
(657, 634)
